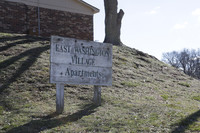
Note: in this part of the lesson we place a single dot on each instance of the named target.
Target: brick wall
(21, 18)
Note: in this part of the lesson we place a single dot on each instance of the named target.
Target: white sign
(80, 62)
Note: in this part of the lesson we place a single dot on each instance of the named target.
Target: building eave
(94, 9)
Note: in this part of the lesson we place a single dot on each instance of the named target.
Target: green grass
(184, 84)
(196, 98)
(195, 127)
(165, 97)
(143, 98)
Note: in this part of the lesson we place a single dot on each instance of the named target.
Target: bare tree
(171, 58)
(112, 22)
(187, 60)
(197, 68)
(184, 60)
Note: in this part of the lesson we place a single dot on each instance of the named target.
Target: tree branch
(120, 16)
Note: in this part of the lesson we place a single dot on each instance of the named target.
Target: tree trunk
(112, 22)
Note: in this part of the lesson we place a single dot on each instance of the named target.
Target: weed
(184, 84)
(1, 110)
(6, 34)
(173, 106)
(154, 119)
(195, 127)
(8, 126)
(149, 98)
(165, 96)
(130, 84)
(123, 59)
(27, 105)
(156, 88)
(196, 98)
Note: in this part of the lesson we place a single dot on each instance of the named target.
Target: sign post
(79, 62)
(59, 98)
(97, 95)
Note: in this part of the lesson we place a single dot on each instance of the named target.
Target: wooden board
(80, 62)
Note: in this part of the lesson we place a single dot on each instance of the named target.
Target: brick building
(68, 18)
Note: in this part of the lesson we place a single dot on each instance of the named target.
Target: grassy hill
(147, 95)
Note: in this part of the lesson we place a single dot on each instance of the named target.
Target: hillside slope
(147, 95)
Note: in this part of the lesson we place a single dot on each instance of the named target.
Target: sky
(154, 26)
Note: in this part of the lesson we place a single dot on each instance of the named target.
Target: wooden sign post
(97, 95)
(59, 98)
(79, 62)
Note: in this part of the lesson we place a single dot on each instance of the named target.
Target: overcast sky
(155, 26)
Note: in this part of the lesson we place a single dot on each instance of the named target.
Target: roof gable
(75, 6)
(95, 10)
